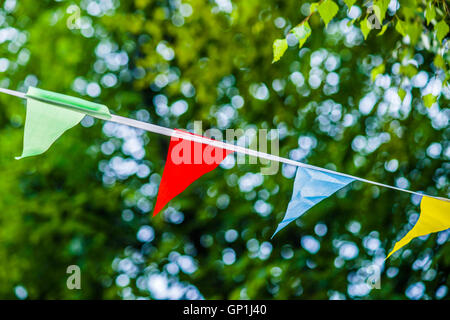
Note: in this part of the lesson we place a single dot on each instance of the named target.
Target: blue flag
(310, 187)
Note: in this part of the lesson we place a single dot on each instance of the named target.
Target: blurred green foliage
(88, 200)
(423, 25)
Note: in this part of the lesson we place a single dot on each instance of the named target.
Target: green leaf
(313, 7)
(441, 30)
(401, 93)
(401, 27)
(383, 30)
(429, 99)
(414, 30)
(408, 70)
(365, 28)
(327, 10)
(439, 62)
(349, 3)
(44, 124)
(302, 33)
(430, 12)
(380, 8)
(279, 48)
(376, 71)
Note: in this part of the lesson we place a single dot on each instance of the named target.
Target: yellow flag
(434, 217)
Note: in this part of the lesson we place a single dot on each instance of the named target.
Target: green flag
(50, 114)
(44, 124)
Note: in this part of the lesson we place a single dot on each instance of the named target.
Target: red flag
(186, 162)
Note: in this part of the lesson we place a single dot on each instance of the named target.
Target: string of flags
(50, 114)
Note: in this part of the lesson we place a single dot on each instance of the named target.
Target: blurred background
(88, 200)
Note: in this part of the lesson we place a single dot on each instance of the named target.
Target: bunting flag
(434, 217)
(310, 187)
(50, 114)
(186, 162)
(44, 124)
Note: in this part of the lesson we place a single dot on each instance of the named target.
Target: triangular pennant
(311, 187)
(44, 124)
(434, 217)
(186, 162)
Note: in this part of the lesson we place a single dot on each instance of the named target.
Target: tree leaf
(401, 93)
(401, 27)
(279, 48)
(383, 30)
(327, 10)
(413, 30)
(430, 12)
(376, 71)
(408, 70)
(365, 28)
(380, 8)
(439, 62)
(429, 99)
(313, 7)
(302, 33)
(441, 30)
(349, 3)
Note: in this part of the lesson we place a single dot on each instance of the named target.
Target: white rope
(14, 93)
(180, 134)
